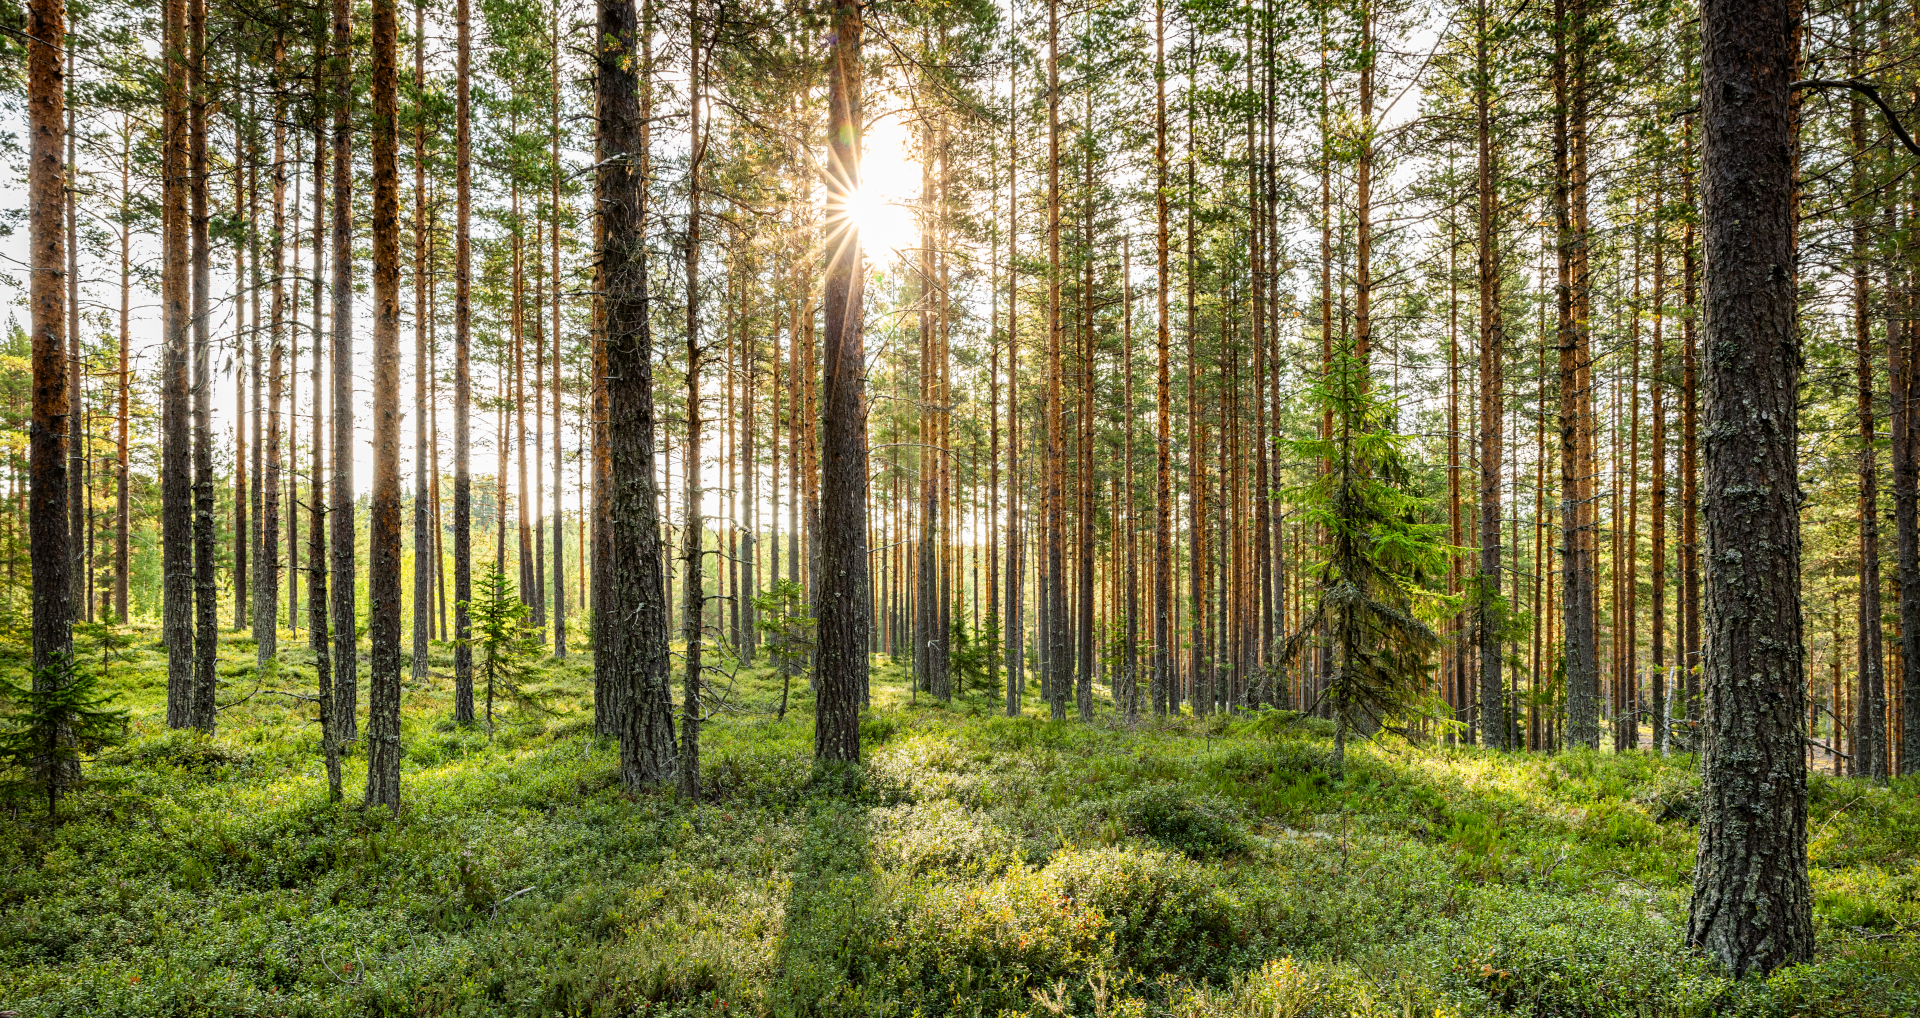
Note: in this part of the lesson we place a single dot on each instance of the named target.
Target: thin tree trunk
(559, 512)
(1492, 611)
(383, 508)
(123, 381)
(462, 370)
(1164, 695)
(424, 561)
(266, 601)
(693, 537)
(317, 628)
(175, 467)
(340, 518)
(205, 643)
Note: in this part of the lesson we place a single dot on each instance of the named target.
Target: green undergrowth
(975, 865)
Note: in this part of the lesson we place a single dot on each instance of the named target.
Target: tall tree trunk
(51, 536)
(1491, 610)
(632, 634)
(123, 382)
(176, 476)
(340, 518)
(1083, 586)
(1059, 656)
(1582, 669)
(425, 563)
(559, 513)
(1656, 392)
(843, 587)
(1752, 906)
(206, 641)
(383, 508)
(317, 628)
(1869, 663)
(1016, 546)
(1163, 650)
(693, 536)
(463, 366)
(266, 598)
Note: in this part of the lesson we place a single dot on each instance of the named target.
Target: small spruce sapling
(47, 727)
(505, 642)
(1377, 555)
(781, 613)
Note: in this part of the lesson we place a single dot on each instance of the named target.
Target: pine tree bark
(842, 577)
(462, 368)
(1163, 695)
(1752, 906)
(266, 597)
(205, 624)
(1491, 611)
(123, 379)
(631, 624)
(383, 508)
(340, 517)
(425, 562)
(318, 628)
(693, 529)
(1059, 677)
(1869, 662)
(50, 534)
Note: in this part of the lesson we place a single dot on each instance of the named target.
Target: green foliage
(48, 726)
(781, 613)
(973, 866)
(1200, 825)
(1377, 556)
(506, 646)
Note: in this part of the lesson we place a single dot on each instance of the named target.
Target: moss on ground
(977, 865)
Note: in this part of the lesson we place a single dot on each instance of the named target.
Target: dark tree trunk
(266, 595)
(693, 530)
(206, 626)
(1752, 907)
(317, 625)
(383, 508)
(631, 626)
(425, 562)
(345, 653)
(462, 372)
(842, 577)
(1493, 712)
(1163, 416)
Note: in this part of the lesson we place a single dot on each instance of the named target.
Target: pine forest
(978, 507)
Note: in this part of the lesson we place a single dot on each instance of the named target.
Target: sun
(883, 208)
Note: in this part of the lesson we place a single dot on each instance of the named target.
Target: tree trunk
(50, 531)
(175, 458)
(1752, 906)
(1492, 611)
(383, 508)
(340, 519)
(693, 536)
(425, 563)
(205, 641)
(463, 369)
(266, 597)
(123, 382)
(1164, 696)
(631, 628)
(317, 629)
(842, 578)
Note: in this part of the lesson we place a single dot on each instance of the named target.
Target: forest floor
(977, 865)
